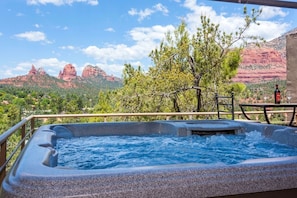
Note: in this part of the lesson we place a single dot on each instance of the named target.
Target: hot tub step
(201, 132)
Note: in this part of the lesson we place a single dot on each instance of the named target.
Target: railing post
(23, 135)
(3, 161)
(32, 124)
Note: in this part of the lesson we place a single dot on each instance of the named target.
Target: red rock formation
(41, 71)
(39, 78)
(111, 78)
(32, 71)
(92, 71)
(68, 73)
(261, 64)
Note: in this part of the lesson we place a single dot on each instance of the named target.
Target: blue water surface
(105, 152)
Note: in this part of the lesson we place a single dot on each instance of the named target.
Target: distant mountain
(93, 78)
(264, 63)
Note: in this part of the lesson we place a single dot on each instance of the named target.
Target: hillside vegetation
(17, 103)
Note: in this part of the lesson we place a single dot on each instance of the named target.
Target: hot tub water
(107, 152)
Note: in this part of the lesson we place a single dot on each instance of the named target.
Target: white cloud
(20, 14)
(271, 12)
(50, 62)
(41, 12)
(161, 8)
(142, 14)
(7, 73)
(193, 18)
(275, 29)
(111, 53)
(33, 36)
(43, 2)
(68, 47)
(93, 2)
(109, 29)
(156, 32)
(146, 39)
(62, 28)
(231, 23)
(111, 58)
(62, 2)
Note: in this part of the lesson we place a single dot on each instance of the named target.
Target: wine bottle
(277, 95)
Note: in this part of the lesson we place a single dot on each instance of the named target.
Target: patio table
(265, 106)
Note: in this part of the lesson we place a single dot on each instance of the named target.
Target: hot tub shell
(35, 173)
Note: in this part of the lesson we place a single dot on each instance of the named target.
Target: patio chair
(225, 104)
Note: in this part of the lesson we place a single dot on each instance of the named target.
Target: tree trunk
(175, 104)
(196, 82)
(198, 95)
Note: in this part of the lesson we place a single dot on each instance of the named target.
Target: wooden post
(23, 135)
(32, 124)
(3, 161)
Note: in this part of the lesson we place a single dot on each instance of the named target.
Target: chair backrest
(225, 104)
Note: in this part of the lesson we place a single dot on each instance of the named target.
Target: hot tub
(36, 174)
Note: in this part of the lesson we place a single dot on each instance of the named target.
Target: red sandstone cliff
(68, 73)
(264, 63)
(261, 64)
(94, 72)
(91, 72)
(33, 71)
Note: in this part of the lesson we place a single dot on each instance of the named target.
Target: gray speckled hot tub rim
(35, 173)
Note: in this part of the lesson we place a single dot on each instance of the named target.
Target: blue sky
(109, 33)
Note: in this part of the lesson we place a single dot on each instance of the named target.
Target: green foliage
(17, 103)
(188, 70)
(264, 92)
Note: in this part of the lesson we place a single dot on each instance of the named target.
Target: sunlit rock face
(33, 71)
(260, 64)
(93, 71)
(265, 62)
(68, 73)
